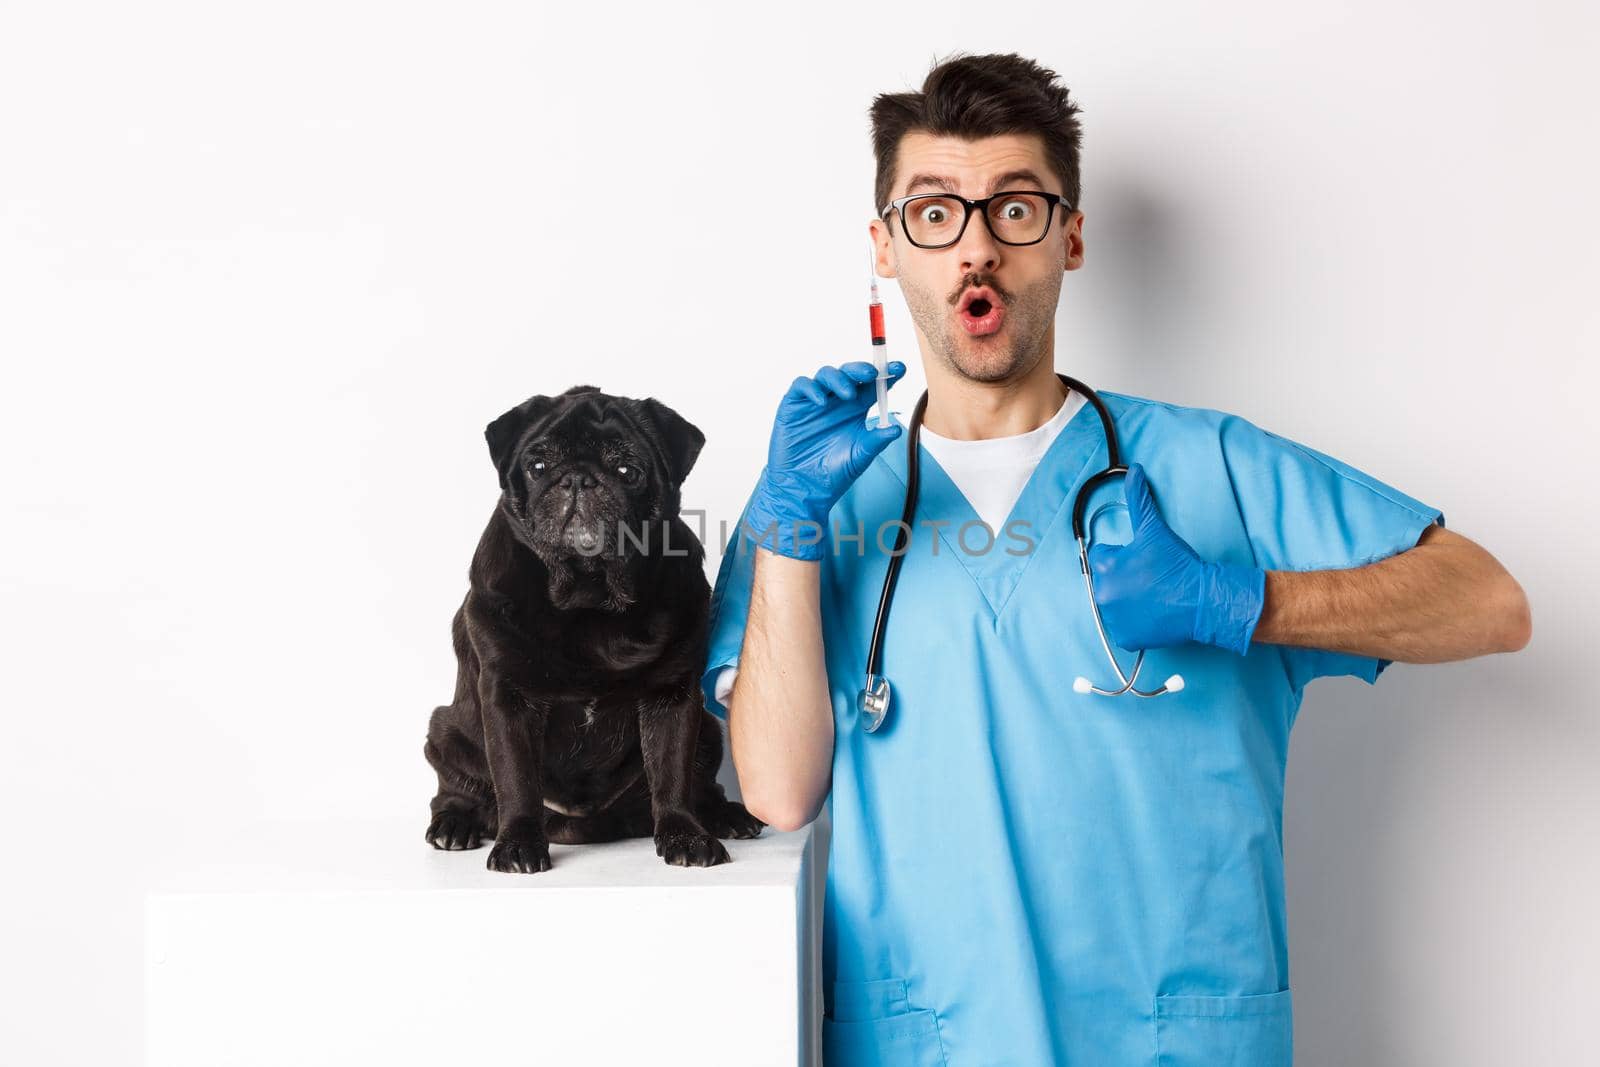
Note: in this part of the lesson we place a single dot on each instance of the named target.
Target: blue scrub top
(1025, 875)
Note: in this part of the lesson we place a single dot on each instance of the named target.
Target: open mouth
(980, 315)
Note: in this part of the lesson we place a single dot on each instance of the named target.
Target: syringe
(880, 346)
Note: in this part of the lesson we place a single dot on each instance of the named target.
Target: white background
(267, 271)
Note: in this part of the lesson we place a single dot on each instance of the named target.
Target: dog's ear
(503, 433)
(681, 440)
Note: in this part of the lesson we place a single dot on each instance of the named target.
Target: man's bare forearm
(780, 717)
(1445, 599)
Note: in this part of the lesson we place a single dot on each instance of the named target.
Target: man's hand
(1154, 591)
(820, 444)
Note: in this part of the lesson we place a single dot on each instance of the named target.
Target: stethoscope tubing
(873, 701)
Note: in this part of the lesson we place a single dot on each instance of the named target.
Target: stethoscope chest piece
(873, 702)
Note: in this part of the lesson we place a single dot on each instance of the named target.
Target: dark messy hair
(980, 96)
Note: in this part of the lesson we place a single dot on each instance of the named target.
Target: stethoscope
(874, 698)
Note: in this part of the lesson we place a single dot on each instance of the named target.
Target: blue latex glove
(821, 442)
(1154, 591)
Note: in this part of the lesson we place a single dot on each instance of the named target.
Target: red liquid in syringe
(880, 358)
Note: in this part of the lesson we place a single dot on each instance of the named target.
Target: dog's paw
(728, 818)
(455, 830)
(515, 855)
(682, 843)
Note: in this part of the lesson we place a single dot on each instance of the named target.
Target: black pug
(578, 715)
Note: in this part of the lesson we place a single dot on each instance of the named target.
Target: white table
(358, 943)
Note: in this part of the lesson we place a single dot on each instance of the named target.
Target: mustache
(975, 281)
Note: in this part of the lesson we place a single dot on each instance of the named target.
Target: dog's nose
(577, 480)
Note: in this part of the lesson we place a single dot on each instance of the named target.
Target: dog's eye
(538, 465)
(629, 472)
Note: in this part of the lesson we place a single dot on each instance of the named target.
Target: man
(1022, 873)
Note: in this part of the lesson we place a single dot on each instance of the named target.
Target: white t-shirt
(990, 473)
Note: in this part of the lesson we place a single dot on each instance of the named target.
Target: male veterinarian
(1022, 873)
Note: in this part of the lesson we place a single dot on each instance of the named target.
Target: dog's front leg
(513, 733)
(669, 726)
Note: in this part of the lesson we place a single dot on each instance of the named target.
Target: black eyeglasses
(1014, 217)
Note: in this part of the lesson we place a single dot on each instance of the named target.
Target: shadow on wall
(1151, 283)
(1375, 890)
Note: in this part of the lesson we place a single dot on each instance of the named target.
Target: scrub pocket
(1253, 1031)
(873, 1025)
